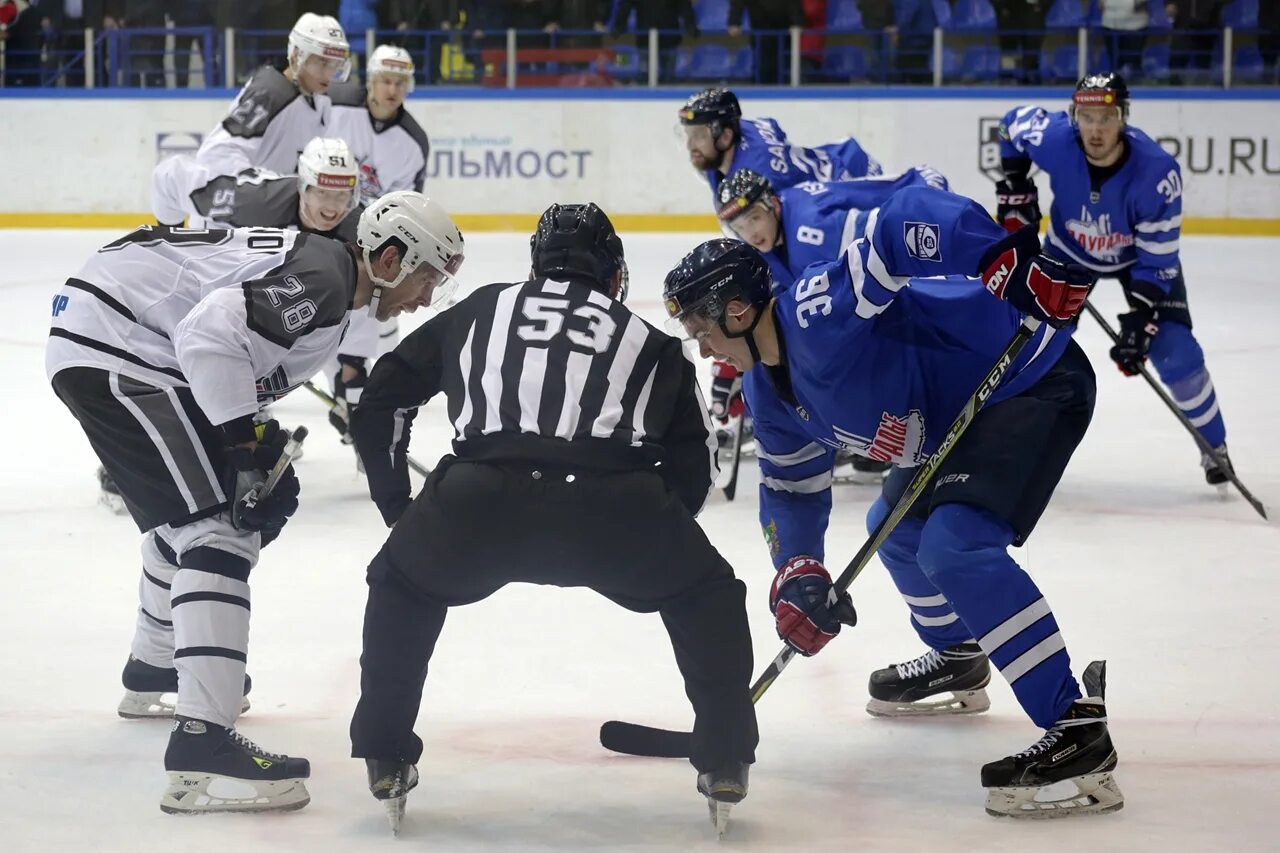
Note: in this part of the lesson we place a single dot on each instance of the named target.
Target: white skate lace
(1046, 743)
(926, 663)
(244, 742)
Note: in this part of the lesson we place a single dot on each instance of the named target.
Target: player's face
(701, 146)
(1100, 130)
(758, 227)
(323, 209)
(416, 291)
(389, 89)
(317, 72)
(712, 340)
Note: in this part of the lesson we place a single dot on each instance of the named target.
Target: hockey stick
(333, 404)
(1169, 402)
(731, 487)
(643, 740)
(291, 448)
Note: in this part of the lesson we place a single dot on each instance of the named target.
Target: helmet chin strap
(379, 283)
(748, 333)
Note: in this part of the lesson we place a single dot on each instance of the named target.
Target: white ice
(1144, 565)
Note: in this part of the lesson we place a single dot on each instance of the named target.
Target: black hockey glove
(250, 467)
(1037, 285)
(346, 395)
(1137, 328)
(1017, 203)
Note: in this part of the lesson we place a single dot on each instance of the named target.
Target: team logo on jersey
(370, 186)
(273, 386)
(922, 240)
(1096, 237)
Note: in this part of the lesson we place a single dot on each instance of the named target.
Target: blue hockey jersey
(820, 220)
(763, 148)
(1132, 220)
(880, 354)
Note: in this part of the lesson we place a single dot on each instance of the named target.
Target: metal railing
(200, 57)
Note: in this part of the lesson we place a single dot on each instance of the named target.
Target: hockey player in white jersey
(164, 346)
(389, 145)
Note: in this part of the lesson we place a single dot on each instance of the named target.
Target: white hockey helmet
(322, 36)
(427, 233)
(328, 164)
(389, 59)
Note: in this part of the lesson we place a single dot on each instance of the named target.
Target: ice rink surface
(1144, 564)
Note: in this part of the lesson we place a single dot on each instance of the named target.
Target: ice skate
(152, 691)
(390, 782)
(214, 769)
(859, 470)
(1065, 773)
(724, 788)
(110, 496)
(1215, 474)
(950, 681)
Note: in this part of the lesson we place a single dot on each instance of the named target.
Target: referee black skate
(580, 431)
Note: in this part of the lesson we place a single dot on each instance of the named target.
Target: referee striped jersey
(548, 372)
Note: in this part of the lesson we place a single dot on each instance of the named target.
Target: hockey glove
(1017, 203)
(1037, 285)
(346, 394)
(1137, 328)
(726, 392)
(250, 466)
(800, 601)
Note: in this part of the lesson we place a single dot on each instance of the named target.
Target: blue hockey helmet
(578, 241)
(714, 274)
(739, 191)
(715, 106)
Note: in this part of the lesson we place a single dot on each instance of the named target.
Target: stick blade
(634, 739)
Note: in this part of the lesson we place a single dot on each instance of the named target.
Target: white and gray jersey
(392, 154)
(269, 124)
(263, 199)
(241, 316)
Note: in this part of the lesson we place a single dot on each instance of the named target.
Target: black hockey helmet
(739, 191)
(716, 107)
(578, 241)
(711, 276)
(1101, 90)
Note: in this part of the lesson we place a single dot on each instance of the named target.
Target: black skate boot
(214, 769)
(959, 674)
(724, 788)
(391, 782)
(110, 496)
(1075, 755)
(151, 691)
(1215, 474)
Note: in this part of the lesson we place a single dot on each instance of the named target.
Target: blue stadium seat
(711, 61)
(744, 67)
(1158, 16)
(1248, 67)
(844, 15)
(1065, 15)
(1241, 14)
(1061, 63)
(973, 15)
(942, 10)
(844, 62)
(980, 62)
(950, 64)
(628, 62)
(1155, 62)
(712, 15)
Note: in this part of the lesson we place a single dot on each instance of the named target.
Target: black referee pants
(479, 526)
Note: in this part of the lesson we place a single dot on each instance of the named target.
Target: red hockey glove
(1039, 286)
(800, 601)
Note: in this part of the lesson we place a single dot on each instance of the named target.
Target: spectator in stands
(440, 15)
(1125, 24)
(912, 34)
(188, 13)
(770, 46)
(489, 20)
(577, 15)
(812, 43)
(877, 17)
(1197, 23)
(668, 16)
(23, 39)
(145, 65)
(1021, 25)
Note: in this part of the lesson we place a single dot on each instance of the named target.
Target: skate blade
(395, 812)
(1093, 793)
(719, 812)
(154, 706)
(202, 793)
(960, 702)
(857, 478)
(113, 502)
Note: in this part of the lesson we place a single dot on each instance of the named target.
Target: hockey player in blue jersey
(720, 141)
(876, 353)
(1117, 209)
(805, 224)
